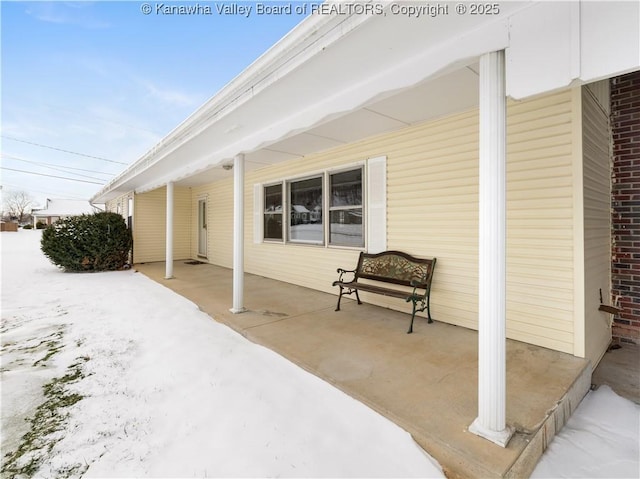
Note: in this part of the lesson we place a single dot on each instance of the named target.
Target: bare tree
(17, 204)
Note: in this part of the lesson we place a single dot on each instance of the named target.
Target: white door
(202, 228)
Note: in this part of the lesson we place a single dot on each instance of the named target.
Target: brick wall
(625, 272)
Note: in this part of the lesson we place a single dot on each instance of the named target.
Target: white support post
(169, 233)
(491, 420)
(238, 234)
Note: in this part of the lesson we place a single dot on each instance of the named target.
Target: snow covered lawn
(165, 390)
(111, 374)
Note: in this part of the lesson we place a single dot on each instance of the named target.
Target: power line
(64, 151)
(72, 173)
(62, 169)
(51, 176)
(11, 157)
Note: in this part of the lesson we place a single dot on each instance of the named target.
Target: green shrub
(98, 242)
(27, 227)
(40, 225)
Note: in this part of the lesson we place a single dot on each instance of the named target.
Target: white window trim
(376, 203)
(362, 167)
(258, 218)
(374, 228)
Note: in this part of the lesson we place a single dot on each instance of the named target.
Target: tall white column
(238, 234)
(169, 233)
(491, 420)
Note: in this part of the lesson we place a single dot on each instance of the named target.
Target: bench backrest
(396, 267)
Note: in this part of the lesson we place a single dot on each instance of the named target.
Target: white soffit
(457, 91)
(266, 157)
(448, 93)
(304, 144)
(357, 125)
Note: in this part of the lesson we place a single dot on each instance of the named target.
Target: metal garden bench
(394, 267)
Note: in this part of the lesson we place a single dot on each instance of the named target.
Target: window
(305, 211)
(345, 209)
(273, 212)
(292, 211)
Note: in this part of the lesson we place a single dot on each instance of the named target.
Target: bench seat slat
(378, 289)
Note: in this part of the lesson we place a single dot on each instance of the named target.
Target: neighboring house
(406, 115)
(299, 214)
(56, 209)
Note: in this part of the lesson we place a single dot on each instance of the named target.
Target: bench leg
(350, 292)
(413, 315)
(429, 311)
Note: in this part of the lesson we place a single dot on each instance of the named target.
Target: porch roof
(336, 79)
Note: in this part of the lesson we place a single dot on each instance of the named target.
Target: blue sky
(104, 80)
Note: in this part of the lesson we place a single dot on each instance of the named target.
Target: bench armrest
(414, 294)
(342, 272)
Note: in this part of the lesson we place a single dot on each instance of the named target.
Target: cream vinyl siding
(122, 201)
(540, 210)
(181, 223)
(111, 205)
(432, 195)
(597, 219)
(433, 210)
(149, 232)
(219, 196)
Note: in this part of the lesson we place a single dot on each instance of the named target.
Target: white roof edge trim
(300, 44)
(429, 64)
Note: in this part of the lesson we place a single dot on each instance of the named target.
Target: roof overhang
(340, 78)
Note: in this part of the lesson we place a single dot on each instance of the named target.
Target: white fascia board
(540, 53)
(554, 45)
(610, 37)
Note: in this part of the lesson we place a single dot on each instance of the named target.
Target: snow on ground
(601, 439)
(166, 391)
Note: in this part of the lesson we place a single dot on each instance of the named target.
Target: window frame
(321, 176)
(361, 207)
(325, 177)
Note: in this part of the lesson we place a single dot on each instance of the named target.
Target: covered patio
(426, 382)
(419, 110)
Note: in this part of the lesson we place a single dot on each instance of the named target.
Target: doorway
(202, 228)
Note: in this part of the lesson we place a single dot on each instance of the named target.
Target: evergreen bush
(97, 242)
(27, 227)
(40, 225)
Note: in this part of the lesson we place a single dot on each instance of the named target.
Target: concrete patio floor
(425, 382)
